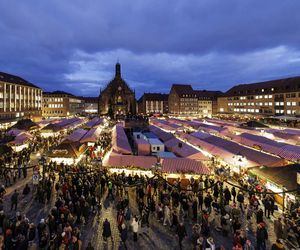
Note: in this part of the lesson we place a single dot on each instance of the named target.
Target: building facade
(151, 103)
(19, 99)
(117, 99)
(61, 104)
(271, 98)
(185, 101)
(90, 105)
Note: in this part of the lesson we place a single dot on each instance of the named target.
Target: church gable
(117, 97)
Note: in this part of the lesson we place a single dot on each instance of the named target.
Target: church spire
(118, 69)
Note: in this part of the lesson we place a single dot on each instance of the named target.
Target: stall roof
(150, 135)
(119, 160)
(283, 176)
(91, 136)
(182, 149)
(96, 121)
(120, 142)
(183, 165)
(76, 135)
(226, 149)
(67, 150)
(141, 141)
(165, 154)
(155, 141)
(284, 150)
(162, 135)
(25, 124)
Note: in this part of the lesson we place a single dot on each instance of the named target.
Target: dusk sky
(73, 45)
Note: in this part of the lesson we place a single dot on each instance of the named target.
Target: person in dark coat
(207, 202)
(195, 209)
(227, 196)
(14, 200)
(267, 205)
(26, 189)
(233, 193)
(124, 235)
(261, 237)
(200, 200)
(106, 230)
(181, 232)
(259, 216)
(89, 246)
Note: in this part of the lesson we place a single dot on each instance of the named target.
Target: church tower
(117, 99)
(118, 70)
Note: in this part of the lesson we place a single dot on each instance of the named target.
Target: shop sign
(298, 178)
(35, 179)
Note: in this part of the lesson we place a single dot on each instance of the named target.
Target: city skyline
(59, 47)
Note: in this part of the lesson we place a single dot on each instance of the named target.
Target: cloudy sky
(73, 45)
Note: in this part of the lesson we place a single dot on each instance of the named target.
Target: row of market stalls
(121, 158)
(242, 147)
(94, 122)
(145, 164)
(58, 126)
(257, 139)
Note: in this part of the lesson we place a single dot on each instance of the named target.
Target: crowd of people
(196, 215)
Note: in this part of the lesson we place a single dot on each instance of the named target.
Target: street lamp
(43, 161)
(240, 161)
(156, 168)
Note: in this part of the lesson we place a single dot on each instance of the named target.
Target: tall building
(117, 99)
(276, 97)
(61, 104)
(151, 103)
(19, 99)
(185, 101)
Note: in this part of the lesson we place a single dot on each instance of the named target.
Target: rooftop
(5, 77)
(186, 90)
(58, 92)
(291, 84)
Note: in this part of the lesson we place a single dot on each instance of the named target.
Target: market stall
(278, 180)
(120, 142)
(21, 139)
(67, 152)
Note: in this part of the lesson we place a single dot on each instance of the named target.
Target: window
(157, 148)
(288, 103)
(294, 103)
(289, 112)
(270, 96)
(221, 109)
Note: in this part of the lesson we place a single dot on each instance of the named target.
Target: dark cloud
(73, 45)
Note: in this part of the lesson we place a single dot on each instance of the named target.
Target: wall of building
(56, 105)
(19, 101)
(263, 104)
